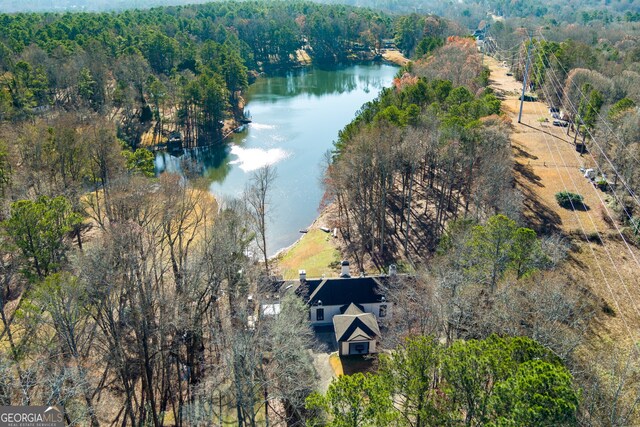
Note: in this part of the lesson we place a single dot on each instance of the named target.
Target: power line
(591, 248)
(595, 257)
(605, 122)
(556, 86)
(593, 139)
(525, 78)
(603, 203)
(579, 90)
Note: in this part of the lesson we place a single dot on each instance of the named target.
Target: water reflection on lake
(250, 159)
(296, 118)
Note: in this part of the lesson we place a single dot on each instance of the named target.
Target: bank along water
(295, 119)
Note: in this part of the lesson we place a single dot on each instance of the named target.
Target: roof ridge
(358, 332)
(355, 323)
(317, 289)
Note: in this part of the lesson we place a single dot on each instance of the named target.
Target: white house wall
(334, 310)
(375, 309)
(329, 312)
(344, 346)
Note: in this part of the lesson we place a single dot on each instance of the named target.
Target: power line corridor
(546, 164)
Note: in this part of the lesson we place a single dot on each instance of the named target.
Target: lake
(296, 118)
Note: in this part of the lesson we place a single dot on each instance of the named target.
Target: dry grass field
(314, 253)
(546, 162)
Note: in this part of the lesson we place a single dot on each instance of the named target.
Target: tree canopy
(496, 381)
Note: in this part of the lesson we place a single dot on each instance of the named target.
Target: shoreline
(283, 251)
(317, 251)
(392, 56)
(320, 218)
(324, 213)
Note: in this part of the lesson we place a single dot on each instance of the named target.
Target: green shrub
(635, 225)
(569, 200)
(602, 184)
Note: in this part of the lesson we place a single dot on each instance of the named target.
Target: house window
(383, 311)
(320, 314)
(359, 348)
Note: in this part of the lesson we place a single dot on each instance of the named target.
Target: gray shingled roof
(352, 308)
(359, 334)
(355, 324)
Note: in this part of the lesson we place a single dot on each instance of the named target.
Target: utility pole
(266, 407)
(484, 37)
(220, 407)
(524, 80)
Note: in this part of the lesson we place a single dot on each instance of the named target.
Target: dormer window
(383, 311)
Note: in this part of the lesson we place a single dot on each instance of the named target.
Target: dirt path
(546, 162)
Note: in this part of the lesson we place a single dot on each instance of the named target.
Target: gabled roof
(353, 327)
(341, 291)
(352, 308)
(359, 334)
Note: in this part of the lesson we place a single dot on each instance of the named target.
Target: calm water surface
(296, 118)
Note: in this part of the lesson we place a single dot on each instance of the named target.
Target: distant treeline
(467, 10)
(13, 6)
(471, 11)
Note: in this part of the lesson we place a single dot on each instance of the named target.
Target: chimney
(344, 273)
(393, 270)
(303, 275)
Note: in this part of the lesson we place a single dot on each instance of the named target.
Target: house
(389, 44)
(328, 297)
(350, 308)
(352, 305)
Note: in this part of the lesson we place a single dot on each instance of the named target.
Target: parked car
(553, 110)
(556, 116)
(509, 73)
(560, 123)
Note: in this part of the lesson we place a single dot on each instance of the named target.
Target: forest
(166, 71)
(131, 298)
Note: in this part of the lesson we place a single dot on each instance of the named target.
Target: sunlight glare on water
(251, 159)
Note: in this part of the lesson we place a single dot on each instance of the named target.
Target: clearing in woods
(546, 162)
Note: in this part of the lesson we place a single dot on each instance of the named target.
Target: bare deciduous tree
(257, 196)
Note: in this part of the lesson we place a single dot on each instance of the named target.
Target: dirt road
(546, 162)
